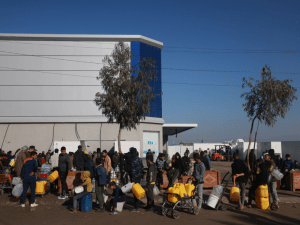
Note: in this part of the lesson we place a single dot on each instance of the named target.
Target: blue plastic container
(86, 203)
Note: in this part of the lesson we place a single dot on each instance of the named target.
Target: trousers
(242, 186)
(63, 179)
(150, 195)
(99, 194)
(29, 182)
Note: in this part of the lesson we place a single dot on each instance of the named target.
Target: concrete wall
(205, 146)
(172, 150)
(40, 135)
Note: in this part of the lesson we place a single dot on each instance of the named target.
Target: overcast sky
(209, 38)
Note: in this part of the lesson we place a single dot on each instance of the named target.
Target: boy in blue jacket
(100, 183)
(28, 177)
(287, 166)
(117, 196)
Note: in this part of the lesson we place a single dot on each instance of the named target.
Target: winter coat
(29, 167)
(101, 175)
(239, 167)
(90, 166)
(151, 174)
(79, 158)
(186, 161)
(19, 163)
(199, 172)
(137, 168)
(87, 181)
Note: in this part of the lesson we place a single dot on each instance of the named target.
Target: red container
(43, 175)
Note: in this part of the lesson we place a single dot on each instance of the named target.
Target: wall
(205, 146)
(292, 148)
(40, 135)
(172, 150)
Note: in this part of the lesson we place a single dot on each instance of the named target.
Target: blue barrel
(86, 203)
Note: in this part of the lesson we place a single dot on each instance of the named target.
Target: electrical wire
(52, 137)
(5, 135)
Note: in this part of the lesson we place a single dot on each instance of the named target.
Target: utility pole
(180, 138)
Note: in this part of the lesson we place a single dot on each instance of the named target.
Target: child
(100, 183)
(89, 188)
(117, 196)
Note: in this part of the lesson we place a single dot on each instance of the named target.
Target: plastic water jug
(41, 187)
(235, 194)
(117, 169)
(217, 190)
(53, 176)
(126, 188)
(181, 188)
(18, 189)
(173, 198)
(189, 189)
(262, 197)
(112, 174)
(275, 173)
(138, 191)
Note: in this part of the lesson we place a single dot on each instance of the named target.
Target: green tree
(127, 92)
(267, 100)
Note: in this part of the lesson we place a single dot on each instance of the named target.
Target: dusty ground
(53, 211)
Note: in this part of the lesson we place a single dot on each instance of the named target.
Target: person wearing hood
(64, 165)
(20, 160)
(176, 169)
(239, 171)
(137, 169)
(186, 160)
(89, 187)
(90, 166)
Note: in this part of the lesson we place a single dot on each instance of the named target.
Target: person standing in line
(273, 181)
(107, 165)
(90, 166)
(208, 159)
(239, 171)
(198, 179)
(20, 160)
(100, 184)
(186, 160)
(98, 155)
(54, 159)
(151, 178)
(161, 166)
(137, 169)
(64, 165)
(287, 166)
(28, 177)
(79, 159)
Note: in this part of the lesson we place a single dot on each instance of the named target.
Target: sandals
(241, 207)
(249, 206)
(74, 211)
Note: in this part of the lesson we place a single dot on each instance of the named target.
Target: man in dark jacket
(151, 178)
(239, 171)
(117, 196)
(101, 181)
(198, 179)
(262, 174)
(64, 165)
(98, 155)
(204, 160)
(28, 176)
(137, 169)
(186, 160)
(161, 166)
(115, 159)
(287, 166)
(79, 159)
(90, 166)
(279, 162)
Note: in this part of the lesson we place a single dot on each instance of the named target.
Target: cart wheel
(218, 159)
(196, 211)
(164, 211)
(175, 214)
(222, 207)
(274, 207)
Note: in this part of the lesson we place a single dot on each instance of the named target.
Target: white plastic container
(126, 188)
(212, 201)
(16, 180)
(120, 206)
(79, 189)
(18, 190)
(275, 173)
(217, 190)
(105, 198)
(156, 190)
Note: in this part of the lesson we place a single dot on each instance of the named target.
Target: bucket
(126, 188)
(120, 206)
(212, 201)
(79, 189)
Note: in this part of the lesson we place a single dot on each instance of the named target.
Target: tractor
(221, 155)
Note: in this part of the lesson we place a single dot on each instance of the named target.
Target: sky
(218, 41)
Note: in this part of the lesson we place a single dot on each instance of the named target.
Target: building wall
(292, 148)
(40, 135)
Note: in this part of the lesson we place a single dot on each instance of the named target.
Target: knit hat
(24, 148)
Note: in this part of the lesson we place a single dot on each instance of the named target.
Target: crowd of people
(26, 161)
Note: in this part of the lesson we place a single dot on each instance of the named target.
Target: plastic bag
(156, 190)
(18, 190)
(16, 180)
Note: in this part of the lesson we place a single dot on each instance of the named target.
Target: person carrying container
(151, 178)
(100, 183)
(198, 178)
(28, 177)
(262, 174)
(64, 165)
(117, 196)
(88, 187)
(137, 170)
(273, 181)
(239, 172)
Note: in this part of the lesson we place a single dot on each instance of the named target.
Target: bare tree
(127, 92)
(267, 99)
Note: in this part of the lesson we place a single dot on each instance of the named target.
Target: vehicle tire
(164, 211)
(218, 159)
(175, 214)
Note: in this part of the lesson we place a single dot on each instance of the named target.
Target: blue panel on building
(140, 51)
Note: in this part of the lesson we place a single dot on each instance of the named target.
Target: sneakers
(67, 196)
(114, 213)
(61, 197)
(33, 205)
(22, 205)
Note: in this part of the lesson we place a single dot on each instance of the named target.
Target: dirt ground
(54, 211)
